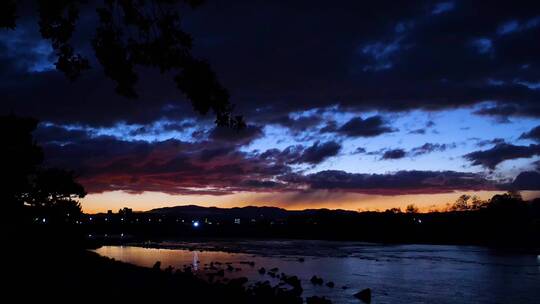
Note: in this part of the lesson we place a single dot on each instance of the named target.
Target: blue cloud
(442, 7)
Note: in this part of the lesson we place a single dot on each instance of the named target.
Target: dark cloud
(302, 123)
(394, 154)
(298, 154)
(359, 150)
(430, 148)
(401, 182)
(487, 142)
(492, 157)
(533, 134)
(429, 124)
(243, 136)
(529, 180)
(211, 153)
(285, 156)
(366, 57)
(163, 127)
(318, 152)
(358, 127)
(331, 126)
(500, 111)
(388, 154)
(266, 184)
(214, 166)
(503, 112)
(418, 131)
(51, 133)
(402, 55)
(106, 163)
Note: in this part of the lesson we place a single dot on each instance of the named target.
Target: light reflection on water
(195, 264)
(396, 274)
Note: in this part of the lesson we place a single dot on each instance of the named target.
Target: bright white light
(195, 224)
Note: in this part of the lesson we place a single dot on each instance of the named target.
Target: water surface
(395, 273)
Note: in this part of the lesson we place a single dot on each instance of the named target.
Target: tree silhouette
(477, 203)
(54, 194)
(507, 203)
(129, 33)
(411, 209)
(461, 204)
(19, 158)
(25, 183)
(393, 210)
(467, 202)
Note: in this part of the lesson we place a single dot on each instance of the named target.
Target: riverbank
(79, 275)
(45, 263)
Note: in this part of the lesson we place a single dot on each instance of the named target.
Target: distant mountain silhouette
(244, 213)
(248, 212)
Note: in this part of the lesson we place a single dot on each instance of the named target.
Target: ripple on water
(395, 273)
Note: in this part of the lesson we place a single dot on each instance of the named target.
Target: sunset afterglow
(375, 118)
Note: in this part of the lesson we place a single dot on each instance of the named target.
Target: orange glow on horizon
(114, 200)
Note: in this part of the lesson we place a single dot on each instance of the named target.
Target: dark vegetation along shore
(48, 236)
(70, 275)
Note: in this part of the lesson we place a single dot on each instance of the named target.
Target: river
(395, 273)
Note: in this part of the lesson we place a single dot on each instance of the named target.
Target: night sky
(349, 104)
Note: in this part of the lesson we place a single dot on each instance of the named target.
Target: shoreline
(64, 277)
(198, 244)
